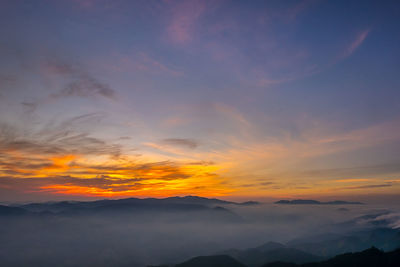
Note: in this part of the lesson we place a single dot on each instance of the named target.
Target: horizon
(265, 200)
(220, 99)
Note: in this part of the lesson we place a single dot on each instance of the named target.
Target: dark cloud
(60, 68)
(34, 184)
(125, 138)
(202, 163)
(267, 183)
(4, 81)
(80, 84)
(30, 157)
(30, 106)
(354, 171)
(7, 78)
(86, 86)
(369, 186)
(166, 170)
(134, 175)
(181, 142)
(65, 137)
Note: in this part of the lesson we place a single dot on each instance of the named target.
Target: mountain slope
(211, 261)
(6, 211)
(270, 252)
(171, 203)
(182, 209)
(383, 238)
(372, 257)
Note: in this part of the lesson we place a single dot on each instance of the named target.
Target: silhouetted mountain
(372, 257)
(270, 245)
(211, 261)
(199, 208)
(249, 203)
(329, 245)
(341, 202)
(270, 252)
(6, 210)
(315, 202)
(206, 201)
(171, 203)
(376, 219)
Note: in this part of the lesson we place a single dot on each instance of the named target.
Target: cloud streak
(183, 23)
(356, 43)
(81, 83)
(181, 142)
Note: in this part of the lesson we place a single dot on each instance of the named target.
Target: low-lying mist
(146, 237)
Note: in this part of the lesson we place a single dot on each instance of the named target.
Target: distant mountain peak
(316, 202)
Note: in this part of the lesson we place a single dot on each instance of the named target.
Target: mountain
(6, 211)
(329, 245)
(189, 208)
(316, 202)
(270, 252)
(270, 245)
(208, 201)
(372, 257)
(170, 203)
(211, 261)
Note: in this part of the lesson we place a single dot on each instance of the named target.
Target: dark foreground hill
(5, 210)
(271, 252)
(372, 257)
(211, 261)
(387, 239)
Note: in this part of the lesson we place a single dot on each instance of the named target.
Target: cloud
(185, 15)
(57, 139)
(358, 40)
(74, 82)
(65, 175)
(30, 106)
(143, 62)
(181, 142)
(86, 86)
(62, 157)
(369, 186)
(7, 79)
(299, 8)
(353, 172)
(80, 84)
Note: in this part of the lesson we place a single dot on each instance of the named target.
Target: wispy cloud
(64, 158)
(142, 62)
(181, 142)
(65, 137)
(368, 186)
(355, 44)
(80, 83)
(86, 86)
(184, 18)
(297, 9)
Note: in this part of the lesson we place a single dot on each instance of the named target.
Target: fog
(156, 237)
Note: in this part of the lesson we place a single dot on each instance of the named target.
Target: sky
(227, 99)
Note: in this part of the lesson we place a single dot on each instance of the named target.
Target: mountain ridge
(316, 202)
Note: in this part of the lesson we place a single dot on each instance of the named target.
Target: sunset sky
(227, 99)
